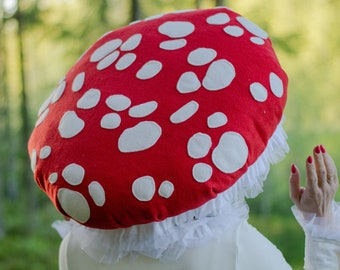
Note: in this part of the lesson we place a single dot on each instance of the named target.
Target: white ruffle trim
(320, 227)
(167, 240)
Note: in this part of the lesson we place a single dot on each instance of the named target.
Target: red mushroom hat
(168, 118)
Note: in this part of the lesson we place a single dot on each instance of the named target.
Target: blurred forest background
(41, 39)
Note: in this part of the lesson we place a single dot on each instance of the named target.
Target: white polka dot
(42, 117)
(97, 193)
(45, 152)
(144, 188)
(173, 44)
(219, 75)
(259, 92)
(143, 110)
(78, 82)
(154, 17)
(188, 83)
(252, 27)
(110, 121)
(276, 85)
(74, 204)
(58, 92)
(140, 137)
(105, 50)
(257, 40)
(218, 19)
(184, 113)
(89, 100)
(73, 174)
(118, 102)
(125, 61)
(70, 125)
(149, 70)
(231, 152)
(108, 60)
(33, 157)
(45, 105)
(176, 29)
(53, 178)
(202, 172)
(234, 31)
(199, 145)
(166, 189)
(132, 43)
(217, 119)
(201, 56)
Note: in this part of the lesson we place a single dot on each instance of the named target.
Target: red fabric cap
(157, 118)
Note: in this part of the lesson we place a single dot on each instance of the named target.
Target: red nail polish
(310, 160)
(317, 149)
(323, 150)
(293, 168)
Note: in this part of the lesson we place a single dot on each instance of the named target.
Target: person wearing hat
(152, 141)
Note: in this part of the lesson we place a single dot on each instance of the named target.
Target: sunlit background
(41, 39)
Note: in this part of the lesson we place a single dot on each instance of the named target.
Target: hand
(321, 184)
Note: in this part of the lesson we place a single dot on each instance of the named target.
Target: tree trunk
(198, 4)
(135, 11)
(220, 3)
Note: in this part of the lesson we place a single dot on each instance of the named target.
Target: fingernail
(293, 169)
(317, 149)
(323, 150)
(310, 160)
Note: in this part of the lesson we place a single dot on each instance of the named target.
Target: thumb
(294, 183)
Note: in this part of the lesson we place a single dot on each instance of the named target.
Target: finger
(320, 166)
(312, 179)
(332, 175)
(294, 184)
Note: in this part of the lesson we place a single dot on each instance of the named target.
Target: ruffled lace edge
(320, 227)
(168, 240)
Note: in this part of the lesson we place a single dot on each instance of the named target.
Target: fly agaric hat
(168, 120)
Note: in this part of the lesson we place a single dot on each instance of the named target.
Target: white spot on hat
(42, 117)
(259, 92)
(58, 92)
(97, 193)
(53, 178)
(140, 137)
(78, 82)
(234, 30)
(131, 43)
(73, 174)
(110, 121)
(74, 204)
(252, 27)
(33, 157)
(108, 60)
(199, 145)
(219, 75)
(45, 105)
(188, 83)
(176, 29)
(70, 125)
(143, 188)
(89, 100)
(257, 40)
(105, 50)
(202, 172)
(154, 17)
(276, 85)
(143, 110)
(45, 152)
(173, 44)
(118, 102)
(125, 61)
(201, 56)
(217, 119)
(149, 70)
(166, 189)
(218, 19)
(184, 113)
(231, 152)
